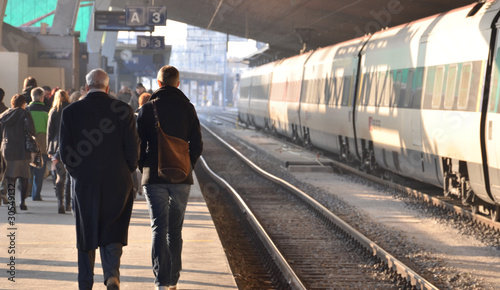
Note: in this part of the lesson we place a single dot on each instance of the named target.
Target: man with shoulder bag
(167, 191)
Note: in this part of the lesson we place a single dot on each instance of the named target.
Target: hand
(54, 164)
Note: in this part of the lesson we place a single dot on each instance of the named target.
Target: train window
(380, 87)
(346, 91)
(366, 90)
(417, 85)
(315, 96)
(409, 88)
(333, 97)
(437, 93)
(449, 95)
(339, 88)
(429, 86)
(326, 90)
(463, 93)
(372, 89)
(305, 91)
(389, 81)
(350, 94)
(397, 88)
(494, 91)
(322, 91)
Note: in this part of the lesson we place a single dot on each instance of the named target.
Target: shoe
(23, 206)
(37, 199)
(4, 199)
(68, 207)
(113, 283)
(161, 288)
(61, 210)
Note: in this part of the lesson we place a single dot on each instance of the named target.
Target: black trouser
(110, 260)
(63, 185)
(10, 182)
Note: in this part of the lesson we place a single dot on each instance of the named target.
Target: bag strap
(157, 120)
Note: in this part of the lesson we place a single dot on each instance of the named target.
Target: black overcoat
(99, 146)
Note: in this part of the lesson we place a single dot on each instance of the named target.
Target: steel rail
(273, 251)
(399, 267)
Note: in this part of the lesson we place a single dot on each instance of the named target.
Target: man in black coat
(99, 146)
(167, 201)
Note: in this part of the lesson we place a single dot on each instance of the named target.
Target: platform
(46, 254)
(292, 158)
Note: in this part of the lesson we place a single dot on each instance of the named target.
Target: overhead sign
(157, 15)
(115, 21)
(142, 15)
(150, 42)
(135, 15)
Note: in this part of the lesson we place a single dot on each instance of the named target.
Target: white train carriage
(388, 121)
(259, 95)
(244, 101)
(327, 96)
(285, 95)
(447, 55)
(426, 101)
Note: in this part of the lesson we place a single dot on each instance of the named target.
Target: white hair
(37, 94)
(97, 79)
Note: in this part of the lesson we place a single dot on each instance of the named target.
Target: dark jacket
(27, 94)
(3, 107)
(53, 127)
(99, 147)
(178, 118)
(13, 134)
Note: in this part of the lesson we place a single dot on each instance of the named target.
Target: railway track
(432, 196)
(323, 251)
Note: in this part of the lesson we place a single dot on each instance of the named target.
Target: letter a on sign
(135, 16)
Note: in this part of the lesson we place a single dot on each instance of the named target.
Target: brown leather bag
(174, 164)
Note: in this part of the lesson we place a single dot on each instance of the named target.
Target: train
(420, 100)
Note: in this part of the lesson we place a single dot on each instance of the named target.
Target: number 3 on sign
(157, 15)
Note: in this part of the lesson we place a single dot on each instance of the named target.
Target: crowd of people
(76, 131)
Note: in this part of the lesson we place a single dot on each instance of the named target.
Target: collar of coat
(167, 91)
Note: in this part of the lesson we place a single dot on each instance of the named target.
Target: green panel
(19, 12)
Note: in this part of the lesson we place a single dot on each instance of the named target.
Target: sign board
(135, 16)
(157, 15)
(115, 21)
(142, 15)
(54, 55)
(150, 42)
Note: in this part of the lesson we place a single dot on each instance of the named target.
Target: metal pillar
(108, 50)
(65, 17)
(94, 38)
(225, 74)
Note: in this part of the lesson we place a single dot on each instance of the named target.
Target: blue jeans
(38, 176)
(167, 205)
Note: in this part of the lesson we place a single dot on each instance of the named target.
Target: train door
(352, 104)
(492, 128)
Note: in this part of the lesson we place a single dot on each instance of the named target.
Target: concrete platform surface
(46, 255)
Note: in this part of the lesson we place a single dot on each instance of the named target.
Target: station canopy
(286, 25)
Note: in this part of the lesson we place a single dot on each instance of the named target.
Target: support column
(108, 50)
(94, 38)
(65, 17)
